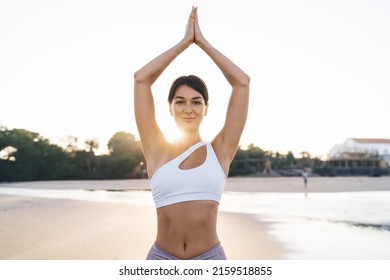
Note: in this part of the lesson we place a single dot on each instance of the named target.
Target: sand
(40, 228)
(60, 229)
(45, 228)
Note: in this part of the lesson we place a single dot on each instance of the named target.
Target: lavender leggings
(215, 253)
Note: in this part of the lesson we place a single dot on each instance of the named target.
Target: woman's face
(188, 108)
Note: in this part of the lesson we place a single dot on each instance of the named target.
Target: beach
(62, 229)
(116, 220)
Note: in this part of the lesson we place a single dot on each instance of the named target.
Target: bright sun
(170, 130)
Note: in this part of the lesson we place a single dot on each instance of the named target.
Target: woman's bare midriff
(187, 229)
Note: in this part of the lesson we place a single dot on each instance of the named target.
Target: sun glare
(171, 132)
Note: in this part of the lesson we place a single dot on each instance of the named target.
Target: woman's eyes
(193, 102)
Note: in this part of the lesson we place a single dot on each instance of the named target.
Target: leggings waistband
(158, 253)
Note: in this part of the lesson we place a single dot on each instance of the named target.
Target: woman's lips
(188, 119)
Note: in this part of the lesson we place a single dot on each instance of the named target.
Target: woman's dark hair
(193, 82)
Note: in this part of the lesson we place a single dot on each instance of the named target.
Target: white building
(362, 148)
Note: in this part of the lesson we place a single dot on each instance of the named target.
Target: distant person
(187, 177)
(305, 174)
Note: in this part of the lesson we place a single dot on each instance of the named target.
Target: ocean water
(322, 226)
(335, 226)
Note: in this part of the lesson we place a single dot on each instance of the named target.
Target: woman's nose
(188, 109)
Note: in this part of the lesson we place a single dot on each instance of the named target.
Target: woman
(187, 176)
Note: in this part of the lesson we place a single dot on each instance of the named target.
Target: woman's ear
(207, 107)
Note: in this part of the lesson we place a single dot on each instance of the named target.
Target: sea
(352, 225)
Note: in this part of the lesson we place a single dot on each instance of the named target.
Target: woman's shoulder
(157, 155)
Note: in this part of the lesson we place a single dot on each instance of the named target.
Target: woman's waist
(187, 246)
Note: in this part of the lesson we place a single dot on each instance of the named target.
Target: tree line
(28, 156)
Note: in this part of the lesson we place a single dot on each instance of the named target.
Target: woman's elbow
(138, 78)
(244, 81)
(142, 78)
(247, 80)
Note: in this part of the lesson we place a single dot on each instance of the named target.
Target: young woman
(187, 177)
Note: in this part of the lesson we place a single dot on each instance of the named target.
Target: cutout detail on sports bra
(195, 159)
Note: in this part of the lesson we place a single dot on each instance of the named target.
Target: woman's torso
(187, 229)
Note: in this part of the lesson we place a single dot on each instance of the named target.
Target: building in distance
(361, 153)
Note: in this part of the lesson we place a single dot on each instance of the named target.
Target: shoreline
(239, 184)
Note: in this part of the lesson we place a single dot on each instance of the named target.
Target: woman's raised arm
(227, 140)
(152, 138)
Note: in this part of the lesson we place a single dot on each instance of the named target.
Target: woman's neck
(189, 139)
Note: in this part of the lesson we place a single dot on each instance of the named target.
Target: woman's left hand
(189, 35)
(198, 36)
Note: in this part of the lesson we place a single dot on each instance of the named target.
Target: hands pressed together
(193, 33)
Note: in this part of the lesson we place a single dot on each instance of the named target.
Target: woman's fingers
(195, 13)
(190, 33)
(191, 16)
(198, 37)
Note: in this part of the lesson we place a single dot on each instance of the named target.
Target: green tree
(123, 143)
(255, 152)
(125, 156)
(92, 145)
(290, 159)
(305, 160)
(30, 157)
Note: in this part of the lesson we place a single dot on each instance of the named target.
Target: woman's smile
(187, 119)
(188, 107)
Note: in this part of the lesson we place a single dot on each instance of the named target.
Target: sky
(319, 69)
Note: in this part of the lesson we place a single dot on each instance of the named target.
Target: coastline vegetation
(28, 156)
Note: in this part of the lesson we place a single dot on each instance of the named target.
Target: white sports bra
(170, 184)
